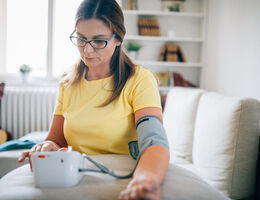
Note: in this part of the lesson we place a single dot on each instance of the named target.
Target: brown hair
(121, 65)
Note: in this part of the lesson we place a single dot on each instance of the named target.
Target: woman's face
(96, 29)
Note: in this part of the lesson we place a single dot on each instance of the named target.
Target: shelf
(189, 27)
(168, 64)
(162, 13)
(162, 38)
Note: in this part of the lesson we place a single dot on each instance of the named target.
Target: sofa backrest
(223, 134)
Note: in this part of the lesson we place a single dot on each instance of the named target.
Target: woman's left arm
(151, 168)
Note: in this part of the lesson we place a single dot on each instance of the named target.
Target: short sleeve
(58, 110)
(145, 92)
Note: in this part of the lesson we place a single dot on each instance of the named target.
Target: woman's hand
(141, 187)
(43, 146)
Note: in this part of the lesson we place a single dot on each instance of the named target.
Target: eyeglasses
(95, 43)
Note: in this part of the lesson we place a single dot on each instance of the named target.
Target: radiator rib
(27, 109)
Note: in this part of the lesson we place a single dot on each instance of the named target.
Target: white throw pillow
(226, 141)
(178, 118)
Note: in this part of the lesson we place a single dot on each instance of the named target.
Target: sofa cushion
(226, 143)
(178, 118)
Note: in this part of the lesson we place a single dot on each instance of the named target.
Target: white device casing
(57, 168)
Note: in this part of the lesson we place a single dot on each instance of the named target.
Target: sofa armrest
(226, 140)
(178, 184)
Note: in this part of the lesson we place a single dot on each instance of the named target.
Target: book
(181, 57)
(148, 27)
(163, 52)
(129, 4)
(172, 53)
(164, 78)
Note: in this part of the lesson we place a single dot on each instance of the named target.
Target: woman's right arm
(53, 142)
(56, 133)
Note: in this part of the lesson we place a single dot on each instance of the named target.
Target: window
(30, 39)
(26, 35)
(65, 54)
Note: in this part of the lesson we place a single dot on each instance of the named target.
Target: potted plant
(132, 49)
(25, 70)
(172, 5)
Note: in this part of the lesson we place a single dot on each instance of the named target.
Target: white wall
(233, 48)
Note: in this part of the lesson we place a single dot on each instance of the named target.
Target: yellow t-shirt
(94, 130)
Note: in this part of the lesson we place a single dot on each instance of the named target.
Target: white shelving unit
(163, 38)
(169, 64)
(162, 13)
(189, 26)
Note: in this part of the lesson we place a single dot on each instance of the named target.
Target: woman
(106, 102)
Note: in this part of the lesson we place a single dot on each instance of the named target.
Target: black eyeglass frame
(89, 41)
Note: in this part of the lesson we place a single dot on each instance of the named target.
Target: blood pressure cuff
(150, 132)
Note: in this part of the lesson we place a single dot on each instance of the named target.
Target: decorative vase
(132, 54)
(25, 77)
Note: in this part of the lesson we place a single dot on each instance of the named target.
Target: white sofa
(216, 137)
(213, 144)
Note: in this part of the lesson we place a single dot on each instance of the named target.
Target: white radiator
(27, 109)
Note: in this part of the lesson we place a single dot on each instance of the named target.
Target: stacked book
(148, 27)
(171, 53)
(129, 4)
(164, 78)
(173, 79)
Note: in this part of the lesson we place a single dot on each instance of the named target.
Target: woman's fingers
(30, 160)
(49, 147)
(44, 146)
(23, 156)
(63, 149)
(141, 189)
(38, 147)
(33, 149)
